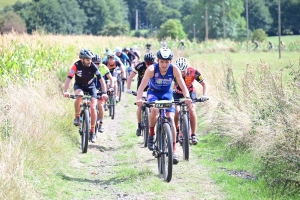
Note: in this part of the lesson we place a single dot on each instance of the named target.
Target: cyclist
(160, 77)
(136, 58)
(140, 69)
(189, 74)
(124, 59)
(104, 71)
(271, 46)
(163, 43)
(148, 47)
(181, 45)
(112, 65)
(256, 45)
(84, 71)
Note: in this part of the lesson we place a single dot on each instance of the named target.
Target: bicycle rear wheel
(145, 125)
(185, 137)
(85, 131)
(167, 152)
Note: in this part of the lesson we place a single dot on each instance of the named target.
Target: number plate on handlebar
(163, 104)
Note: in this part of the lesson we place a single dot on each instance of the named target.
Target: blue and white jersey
(159, 82)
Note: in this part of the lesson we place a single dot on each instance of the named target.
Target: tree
(11, 21)
(171, 28)
(234, 21)
(115, 30)
(259, 15)
(159, 13)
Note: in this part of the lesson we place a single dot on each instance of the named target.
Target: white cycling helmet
(118, 50)
(164, 54)
(181, 63)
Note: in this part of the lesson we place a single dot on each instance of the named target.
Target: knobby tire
(145, 123)
(167, 149)
(85, 130)
(185, 137)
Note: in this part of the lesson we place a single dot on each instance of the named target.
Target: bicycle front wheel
(185, 137)
(120, 88)
(85, 130)
(166, 152)
(145, 125)
(112, 107)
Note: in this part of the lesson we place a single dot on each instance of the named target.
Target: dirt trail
(97, 167)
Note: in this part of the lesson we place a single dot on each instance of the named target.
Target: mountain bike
(84, 127)
(184, 128)
(120, 82)
(111, 102)
(144, 122)
(163, 148)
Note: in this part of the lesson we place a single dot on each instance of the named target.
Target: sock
(193, 135)
(77, 115)
(139, 125)
(151, 132)
(92, 129)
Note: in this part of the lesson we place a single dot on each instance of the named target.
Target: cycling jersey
(140, 69)
(124, 59)
(84, 75)
(112, 67)
(103, 71)
(191, 75)
(159, 82)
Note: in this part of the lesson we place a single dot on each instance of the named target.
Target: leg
(101, 113)
(193, 121)
(77, 103)
(139, 119)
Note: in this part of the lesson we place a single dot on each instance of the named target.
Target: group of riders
(158, 76)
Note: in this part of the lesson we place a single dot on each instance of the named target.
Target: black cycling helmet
(86, 53)
(164, 53)
(149, 57)
(148, 44)
(97, 58)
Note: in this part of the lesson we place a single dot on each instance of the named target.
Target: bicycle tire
(185, 137)
(85, 131)
(145, 125)
(119, 89)
(113, 107)
(158, 142)
(167, 149)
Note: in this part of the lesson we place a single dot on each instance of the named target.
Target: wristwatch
(104, 92)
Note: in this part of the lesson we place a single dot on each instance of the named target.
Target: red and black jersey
(191, 75)
(84, 75)
(140, 69)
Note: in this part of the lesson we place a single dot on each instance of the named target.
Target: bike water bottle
(80, 119)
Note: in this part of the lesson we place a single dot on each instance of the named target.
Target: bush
(259, 35)
(11, 21)
(137, 34)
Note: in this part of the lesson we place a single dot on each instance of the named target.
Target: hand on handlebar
(129, 91)
(140, 102)
(66, 94)
(104, 96)
(204, 98)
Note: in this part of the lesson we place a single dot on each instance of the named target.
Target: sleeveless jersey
(159, 82)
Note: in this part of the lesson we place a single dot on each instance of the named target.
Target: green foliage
(259, 35)
(115, 30)
(11, 20)
(171, 28)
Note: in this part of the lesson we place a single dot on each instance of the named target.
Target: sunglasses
(110, 56)
(96, 63)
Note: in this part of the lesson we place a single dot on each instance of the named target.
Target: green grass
(214, 152)
(285, 39)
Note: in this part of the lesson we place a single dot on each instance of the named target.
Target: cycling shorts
(178, 96)
(153, 95)
(90, 89)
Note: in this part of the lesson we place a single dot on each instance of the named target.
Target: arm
(72, 72)
(66, 87)
(122, 69)
(148, 74)
(132, 74)
(109, 76)
(204, 88)
(180, 81)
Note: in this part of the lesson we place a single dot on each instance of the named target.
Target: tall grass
(259, 110)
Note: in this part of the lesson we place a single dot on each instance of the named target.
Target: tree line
(223, 18)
